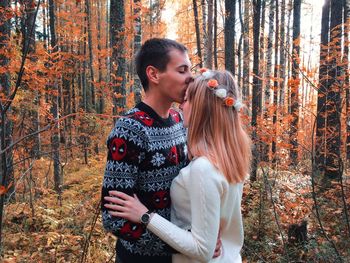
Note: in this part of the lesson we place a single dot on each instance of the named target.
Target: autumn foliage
(59, 81)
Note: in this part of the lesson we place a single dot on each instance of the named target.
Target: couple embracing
(173, 181)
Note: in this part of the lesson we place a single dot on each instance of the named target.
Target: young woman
(206, 195)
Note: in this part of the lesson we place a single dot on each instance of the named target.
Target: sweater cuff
(158, 225)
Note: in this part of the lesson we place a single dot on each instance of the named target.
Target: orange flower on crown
(202, 70)
(213, 83)
(229, 101)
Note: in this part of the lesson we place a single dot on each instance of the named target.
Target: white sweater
(202, 203)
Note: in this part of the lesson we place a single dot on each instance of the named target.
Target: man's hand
(217, 251)
(125, 206)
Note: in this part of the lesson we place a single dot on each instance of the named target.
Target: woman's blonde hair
(215, 130)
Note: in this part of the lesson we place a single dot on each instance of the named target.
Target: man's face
(174, 80)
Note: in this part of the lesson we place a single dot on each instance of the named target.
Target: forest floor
(46, 227)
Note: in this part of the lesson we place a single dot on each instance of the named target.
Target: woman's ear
(152, 74)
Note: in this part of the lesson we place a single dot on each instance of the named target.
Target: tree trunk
(262, 50)
(117, 39)
(91, 58)
(230, 19)
(215, 34)
(267, 94)
(246, 51)
(6, 124)
(198, 37)
(204, 29)
(295, 83)
(137, 45)
(240, 44)
(283, 53)
(333, 104)
(256, 96)
(320, 141)
(209, 46)
(100, 103)
(275, 91)
(269, 53)
(28, 45)
(55, 139)
(346, 72)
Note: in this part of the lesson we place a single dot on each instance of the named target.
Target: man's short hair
(155, 52)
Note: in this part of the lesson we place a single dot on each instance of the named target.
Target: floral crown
(220, 90)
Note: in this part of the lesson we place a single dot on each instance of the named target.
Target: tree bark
(267, 94)
(230, 18)
(55, 139)
(295, 83)
(137, 45)
(246, 51)
(256, 96)
(333, 104)
(283, 53)
(320, 141)
(117, 39)
(275, 91)
(100, 103)
(215, 34)
(209, 46)
(198, 37)
(92, 100)
(205, 32)
(346, 72)
(6, 124)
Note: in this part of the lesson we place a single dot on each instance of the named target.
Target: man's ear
(152, 74)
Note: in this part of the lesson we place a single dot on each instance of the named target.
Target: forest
(67, 73)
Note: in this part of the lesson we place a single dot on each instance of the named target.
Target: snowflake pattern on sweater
(145, 153)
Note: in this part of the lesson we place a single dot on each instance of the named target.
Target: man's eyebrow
(184, 66)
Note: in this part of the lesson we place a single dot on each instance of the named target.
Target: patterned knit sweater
(145, 153)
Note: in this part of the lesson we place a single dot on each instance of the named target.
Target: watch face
(145, 218)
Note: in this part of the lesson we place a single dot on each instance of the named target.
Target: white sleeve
(205, 192)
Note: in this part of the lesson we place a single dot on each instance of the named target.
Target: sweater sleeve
(205, 189)
(124, 149)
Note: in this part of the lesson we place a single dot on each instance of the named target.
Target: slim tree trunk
(137, 45)
(100, 103)
(283, 53)
(262, 49)
(91, 58)
(28, 37)
(295, 83)
(55, 139)
(215, 34)
(246, 51)
(198, 37)
(333, 104)
(209, 46)
(269, 53)
(346, 72)
(117, 38)
(256, 96)
(205, 32)
(267, 94)
(275, 90)
(240, 44)
(320, 141)
(230, 17)
(5, 125)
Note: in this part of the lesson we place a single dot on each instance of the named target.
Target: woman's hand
(125, 206)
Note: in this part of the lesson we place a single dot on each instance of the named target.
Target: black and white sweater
(145, 153)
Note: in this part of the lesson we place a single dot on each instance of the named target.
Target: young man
(147, 149)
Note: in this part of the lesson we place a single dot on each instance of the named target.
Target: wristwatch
(146, 217)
